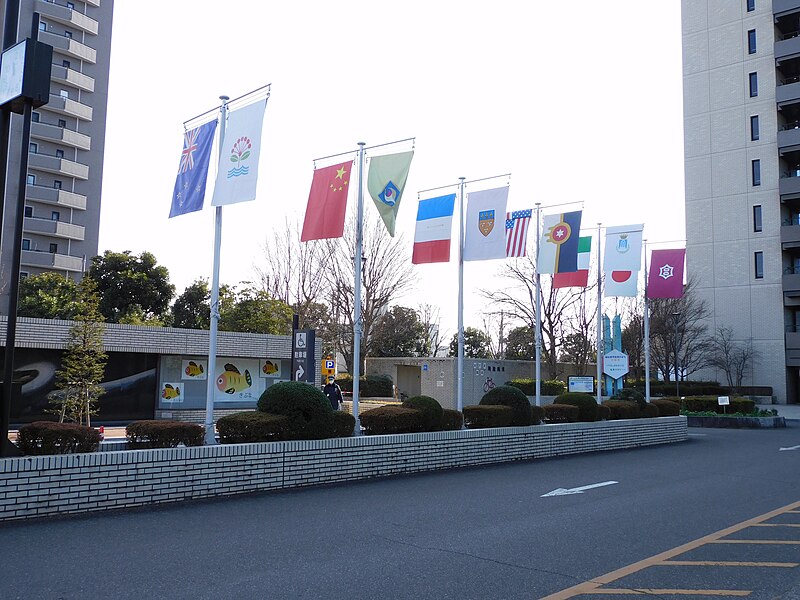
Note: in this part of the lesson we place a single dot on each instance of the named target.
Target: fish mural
(193, 369)
(270, 367)
(232, 381)
(170, 392)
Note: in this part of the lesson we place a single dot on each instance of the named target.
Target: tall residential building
(65, 156)
(741, 100)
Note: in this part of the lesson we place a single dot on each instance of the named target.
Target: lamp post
(675, 316)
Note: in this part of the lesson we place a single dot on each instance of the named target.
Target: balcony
(789, 138)
(60, 135)
(59, 166)
(788, 92)
(790, 233)
(783, 7)
(789, 186)
(69, 108)
(56, 197)
(47, 260)
(788, 47)
(54, 228)
(69, 47)
(61, 74)
(66, 16)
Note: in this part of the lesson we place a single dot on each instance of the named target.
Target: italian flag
(579, 278)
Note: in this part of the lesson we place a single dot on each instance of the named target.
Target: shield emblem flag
(486, 222)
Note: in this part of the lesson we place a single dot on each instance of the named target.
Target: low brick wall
(49, 485)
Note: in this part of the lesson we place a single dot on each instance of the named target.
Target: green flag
(385, 182)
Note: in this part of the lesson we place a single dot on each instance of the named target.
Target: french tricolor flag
(434, 224)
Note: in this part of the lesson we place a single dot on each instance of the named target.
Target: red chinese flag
(666, 274)
(327, 203)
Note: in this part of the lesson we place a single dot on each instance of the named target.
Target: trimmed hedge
(603, 414)
(163, 434)
(630, 395)
(392, 419)
(552, 387)
(452, 420)
(666, 408)
(343, 424)
(688, 388)
(370, 386)
(488, 416)
(47, 437)
(587, 405)
(710, 403)
(506, 395)
(429, 407)
(252, 426)
(650, 411)
(622, 409)
(561, 413)
(537, 415)
(309, 411)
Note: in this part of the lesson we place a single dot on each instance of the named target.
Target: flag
(623, 248)
(485, 235)
(517, 232)
(432, 235)
(666, 274)
(385, 182)
(327, 202)
(621, 283)
(558, 248)
(190, 184)
(237, 173)
(579, 278)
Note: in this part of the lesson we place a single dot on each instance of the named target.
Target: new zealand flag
(190, 184)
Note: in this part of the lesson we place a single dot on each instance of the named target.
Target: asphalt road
(475, 533)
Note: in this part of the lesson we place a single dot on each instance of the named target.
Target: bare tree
(732, 357)
(431, 319)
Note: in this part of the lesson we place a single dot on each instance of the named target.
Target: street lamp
(675, 316)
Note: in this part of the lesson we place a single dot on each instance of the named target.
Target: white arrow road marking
(790, 448)
(577, 490)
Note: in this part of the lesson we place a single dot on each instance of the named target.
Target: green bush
(561, 413)
(650, 411)
(429, 407)
(587, 405)
(452, 420)
(631, 395)
(687, 388)
(163, 434)
(309, 411)
(252, 426)
(343, 424)
(603, 414)
(392, 419)
(710, 403)
(371, 386)
(537, 415)
(506, 395)
(666, 408)
(488, 416)
(622, 409)
(46, 437)
(553, 387)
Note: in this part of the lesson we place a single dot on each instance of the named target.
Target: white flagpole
(599, 322)
(538, 313)
(646, 331)
(460, 393)
(210, 438)
(358, 324)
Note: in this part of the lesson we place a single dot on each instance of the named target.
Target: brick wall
(49, 485)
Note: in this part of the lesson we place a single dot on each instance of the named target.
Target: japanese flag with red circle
(621, 283)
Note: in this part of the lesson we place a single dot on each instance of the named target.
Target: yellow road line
(674, 592)
(724, 563)
(789, 542)
(587, 587)
(776, 525)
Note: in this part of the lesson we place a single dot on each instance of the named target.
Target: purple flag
(666, 274)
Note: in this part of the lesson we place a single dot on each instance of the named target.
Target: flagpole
(357, 264)
(538, 313)
(210, 438)
(646, 331)
(460, 394)
(599, 321)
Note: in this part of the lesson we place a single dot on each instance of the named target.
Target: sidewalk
(790, 412)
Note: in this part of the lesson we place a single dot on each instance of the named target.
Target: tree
(398, 333)
(48, 296)
(433, 336)
(476, 344)
(192, 309)
(253, 311)
(578, 349)
(731, 357)
(132, 288)
(84, 361)
(521, 343)
(633, 342)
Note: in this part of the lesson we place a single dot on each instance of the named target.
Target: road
(494, 532)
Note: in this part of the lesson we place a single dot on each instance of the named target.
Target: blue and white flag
(190, 184)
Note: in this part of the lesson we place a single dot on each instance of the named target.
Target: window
(33, 147)
(23, 275)
(65, 64)
(62, 123)
(753, 85)
(31, 179)
(751, 5)
(751, 41)
(759, 264)
(28, 211)
(67, 34)
(55, 216)
(54, 249)
(757, 226)
(34, 117)
(756, 167)
(57, 184)
(63, 93)
(42, 26)
(71, 5)
(26, 244)
(754, 129)
(59, 154)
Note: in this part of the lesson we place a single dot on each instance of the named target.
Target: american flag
(517, 232)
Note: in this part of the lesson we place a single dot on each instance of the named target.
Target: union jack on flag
(190, 184)
(517, 232)
(189, 146)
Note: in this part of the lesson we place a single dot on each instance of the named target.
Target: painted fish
(169, 392)
(269, 368)
(231, 381)
(193, 369)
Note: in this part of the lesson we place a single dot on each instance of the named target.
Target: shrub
(631, 395)
(46, 437)
(429, 407)
(252, 426)
(587, 405)
(666, 408)
(506, 395)
(603, 413)
(487, 416)
(553, 387)
(452, 420)
(371, 386)
(561, 413)
(163, 434)
(710, 403)
(392, 419)
(537, 415)
(622, 409)
(309, 411)
(343, 424)
(650, 411)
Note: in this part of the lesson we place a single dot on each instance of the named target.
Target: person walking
(334, 393)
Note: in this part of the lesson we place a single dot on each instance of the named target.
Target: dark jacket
(334, 394)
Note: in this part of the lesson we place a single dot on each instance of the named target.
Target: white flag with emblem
(623, 248)
(485, 235)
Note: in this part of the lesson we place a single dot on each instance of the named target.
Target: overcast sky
(579, 105)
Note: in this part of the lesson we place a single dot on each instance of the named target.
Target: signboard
(723, 400)
(303, 355)
(581, 384)
(615, 364)
(328, 367)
